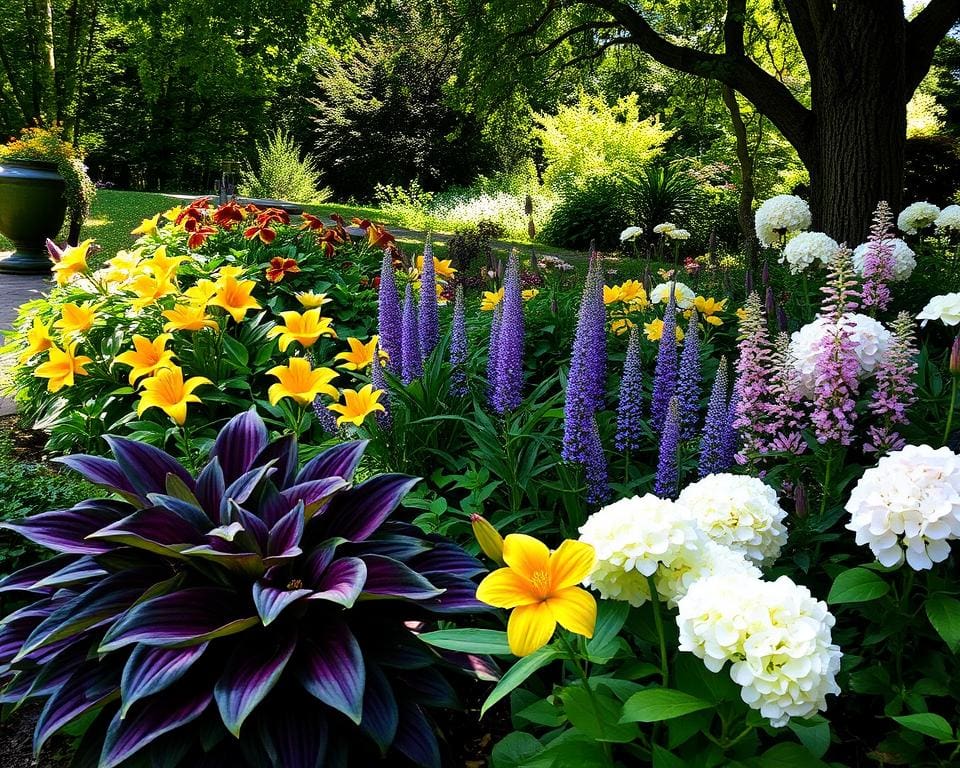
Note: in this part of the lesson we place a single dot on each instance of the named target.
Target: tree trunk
(859, 98)
(745, 159)
(46, 62)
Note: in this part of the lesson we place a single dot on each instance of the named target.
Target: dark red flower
(263, 232)
(228, 214)
(313, 223)
(279, 267)
(378, 237)
(199, 235)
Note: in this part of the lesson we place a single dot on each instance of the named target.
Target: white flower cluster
(779, 215)
(949, 218)
(740, 512)
(917, 216)
(630, 233)
(664, 229)
(777, 635)
(871, 341)
(806, 248)
(678, 234)
(908, 506)
(904, 259)
(683, 295)
(945, 308)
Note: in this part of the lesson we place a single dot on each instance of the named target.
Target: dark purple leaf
(380, 714)
(242, 488)
(250, 675)
(401, 650)
(66, 530)
(239, 443)
(415, 738)
(187, 617)
(272, 505)
(318, 560)
(128, 736)
(153, 529)
(332, 669)
(386, 576)
(313, 494)
(79, 570)
(13, 635)
(255, 532)
(286, 534)
(459, 596)
(25, 579)
(283, 452)
(342, 582)
(151, 670)
(396, 546)
(146, 467)
(189, 511)
(248, 563)
(102, 472)
(210, 488)
(481, 667)
(430, 688)
(339, 461)
(271, 601)
(447, 558)
(296, 742)
(94, 684)
(358, 512)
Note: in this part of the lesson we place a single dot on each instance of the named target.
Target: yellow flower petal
(526, 555)
(505, 588)
(570, 564)
(575, 609)
(530, 628)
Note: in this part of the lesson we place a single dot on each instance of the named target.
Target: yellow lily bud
(488, 537)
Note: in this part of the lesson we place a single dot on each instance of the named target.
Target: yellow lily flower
(357, 405)
(654, 330)
(491, 299)
(225, 272)
(73, 262)
(360, 354)
(161, 266)
(612, 294)
(199, 295)
(171, 213)
(76, 318)
(304, 328)
(442, 267)
(631, 291)
(709, 308)
(149, 289)
(38, 340)
(121, 267)
(234, 296)
(147, 357)
(621, 325)
(147, 226)
(311, 300)
(741, 314)
(187, 317)
(530, 293)
(167, 391)
(298, 381)
(62, 366)
(488, 537)
(540, 587)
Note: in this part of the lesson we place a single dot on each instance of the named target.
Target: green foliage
(662, 194)
(282, 174)
(597, 210)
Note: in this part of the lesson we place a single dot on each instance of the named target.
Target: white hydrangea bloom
(678, 234)
(777, 635)
(739, 512)
(949, 218)
(779, 215)
(945, 308)
(871, 342)
(908, 506)
(917, 216)
(634, 537)
(807, 247)
(691, 565)
(683, 295)
(630, 233)
(904, 259)
(664, 229)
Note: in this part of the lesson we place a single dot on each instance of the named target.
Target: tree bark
(745, 159)
(46, 62)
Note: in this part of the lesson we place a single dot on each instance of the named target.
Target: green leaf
(514, 750)
(944, 615)
(542, 712)
(235, 352)
(929, 724)
(655, 704)
(664, 759)
(814, 734)
(858, 585)
(600, 722)
(486, 641)
(789, 755)
(518, 673)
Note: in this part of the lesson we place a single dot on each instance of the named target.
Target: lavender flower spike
(411, 363)
(429, 324)
(493, 350)
(665, 373)
(379, 381)
(713, 458)
(688, 383)
(458, 348)
(666, 485)
(389, 321)
(595, 466)
(507, 393)
(630, 408)
(878, 263)
(730, 445)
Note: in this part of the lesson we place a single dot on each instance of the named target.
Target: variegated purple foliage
(259, 614)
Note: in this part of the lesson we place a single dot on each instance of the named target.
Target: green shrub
(283, 174)
(597, 211)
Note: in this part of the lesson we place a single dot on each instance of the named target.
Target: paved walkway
(14, 290)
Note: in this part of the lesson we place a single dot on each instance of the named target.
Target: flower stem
(582, 673)
(826, 486)
(658, 622)
(950, 409)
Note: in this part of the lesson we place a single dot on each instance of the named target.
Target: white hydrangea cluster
(691, 565)
(904, 259)
(739, 512)
(630, 233)
(779, 215)
(908, 506)
(949, 218)
(945, 308)
(664, 229)
(777, 635)
(682, 293)
(917, 216)
(678, 234)
(807, 247)
(871, 341)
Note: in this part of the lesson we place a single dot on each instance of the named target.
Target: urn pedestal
(33, 205)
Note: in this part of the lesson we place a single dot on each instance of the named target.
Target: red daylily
(273, 215)
(279, 267)
(228, 214)
(361, 223)
(378, 237)
(262, 231)
(313, 223)
(199, 235)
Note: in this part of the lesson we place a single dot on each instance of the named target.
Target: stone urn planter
(33, 205)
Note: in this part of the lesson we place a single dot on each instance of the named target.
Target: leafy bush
(282, 174)
(932, 169)
(662, 194)
(595, 211)
(249, 600)
(470, 245)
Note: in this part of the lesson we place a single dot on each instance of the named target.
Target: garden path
(14, 291)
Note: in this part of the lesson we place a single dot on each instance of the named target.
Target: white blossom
(945, 308)
(664, 229)
(904, 259)
(949, 218)
(779, 215)
(678, 234)
(630, 233)
(683, 295)
(917, 216)
(806, 248)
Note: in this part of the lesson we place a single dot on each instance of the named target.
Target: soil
(16, 742)
(27, 444)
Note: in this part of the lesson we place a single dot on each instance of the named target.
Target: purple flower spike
(730, 444)
(326, 418)
(389, 320)
(665, 373)
(458, 348)
(411, 363)
(754, 368)
(630, 408)
(379, 381)
(713, 457)
(595, 466)
(493, 350)
(508, 389)
(895, 390)
(878, 264)
(688, 383)
(429, 325)
(667, 482)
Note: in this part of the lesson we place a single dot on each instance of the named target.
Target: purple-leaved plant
(411, 363)
(429, 330)
(688, 380)
(878, 264)
(895, 389)
(665, 372)
(458, 347)
(666, 484)
(389, 323)
(713, 457)
(630, 407)
(508, 387)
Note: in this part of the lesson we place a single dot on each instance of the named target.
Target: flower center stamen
(541, 582)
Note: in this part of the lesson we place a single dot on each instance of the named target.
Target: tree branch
(595, 54)
(806, 31)
(924, 34)
(585, 27)
(733, 24)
